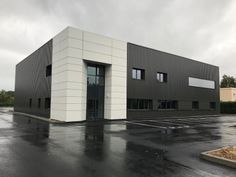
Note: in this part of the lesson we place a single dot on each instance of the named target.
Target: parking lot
(157, 147)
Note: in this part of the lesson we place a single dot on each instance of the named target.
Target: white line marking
(146, 125)
(178, 125)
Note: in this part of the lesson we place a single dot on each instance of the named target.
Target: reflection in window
(100, 80)
(91, 80)
(91, 70)
(96, 75)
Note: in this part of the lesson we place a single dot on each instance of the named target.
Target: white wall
(227, 94)
(71, 49)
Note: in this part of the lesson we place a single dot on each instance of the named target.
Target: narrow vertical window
(48, 70)
(30, 103)
(39, 103)
(47, 103)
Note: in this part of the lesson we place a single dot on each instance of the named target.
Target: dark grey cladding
(31, 81)
(178, 70)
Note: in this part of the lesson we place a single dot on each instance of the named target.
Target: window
(48, 70)
(39, 103)
(162, 77)
(212, 105)
(201, 83)
(195, 105)
(167, 104)
(140, 104)
(138, 74)
(47, 103)
(95, 75)
(30, 102)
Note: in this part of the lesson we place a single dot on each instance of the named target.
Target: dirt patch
(227, 153)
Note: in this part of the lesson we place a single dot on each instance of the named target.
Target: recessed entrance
(95, 92)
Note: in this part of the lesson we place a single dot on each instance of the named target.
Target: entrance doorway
(95, 92)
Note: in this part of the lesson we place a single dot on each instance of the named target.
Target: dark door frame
(95, 92)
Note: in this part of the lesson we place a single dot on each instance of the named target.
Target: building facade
(79, 76)
(227, 94)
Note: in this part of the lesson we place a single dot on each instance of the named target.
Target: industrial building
(79, 75)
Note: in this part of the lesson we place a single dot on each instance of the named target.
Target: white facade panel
(97, 57)
(97, 39)
(202, 83)
(72, 49)
(98, 48)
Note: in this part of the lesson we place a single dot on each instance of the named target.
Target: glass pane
(165, 78)
(161, 78)
(91, 70)
(158, 76)
(91, 80)
(138, 74)
(100, 81)
(134, 104)
(134, 74)
(141, 104)
(100, 71)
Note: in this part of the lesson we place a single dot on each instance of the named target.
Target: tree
(227, 81)
(6, 98)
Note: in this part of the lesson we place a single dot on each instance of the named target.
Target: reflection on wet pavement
(34, 148)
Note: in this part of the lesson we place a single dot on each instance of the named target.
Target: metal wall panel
(31, 81)
(179, 69)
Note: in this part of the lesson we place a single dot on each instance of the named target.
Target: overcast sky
(203, 30)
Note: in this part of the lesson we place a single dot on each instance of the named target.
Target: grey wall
(31, 81)
(178, 70)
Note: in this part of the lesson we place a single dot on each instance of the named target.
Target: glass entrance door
(95, 92)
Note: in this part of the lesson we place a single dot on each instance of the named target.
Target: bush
(228, 107)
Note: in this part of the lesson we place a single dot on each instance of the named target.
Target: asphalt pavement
(159, 147)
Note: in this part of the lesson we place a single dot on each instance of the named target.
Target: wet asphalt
(165, 147)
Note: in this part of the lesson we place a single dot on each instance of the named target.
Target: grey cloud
(198, 29)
